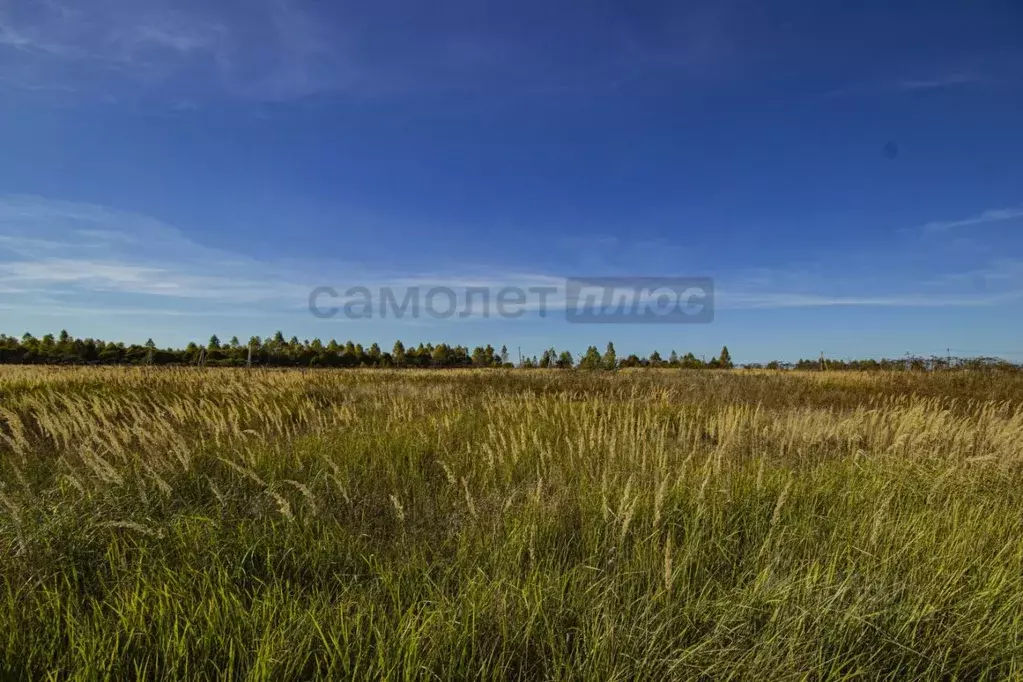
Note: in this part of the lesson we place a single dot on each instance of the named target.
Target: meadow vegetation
(509, 524)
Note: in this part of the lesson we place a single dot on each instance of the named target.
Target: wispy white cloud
(1002, 274)
(998, 283)
(275, 50)
(57, 257)
(15, 38)
(55, 309)
(86, 252)
(937, 82)
(990, 216)
(768, 300)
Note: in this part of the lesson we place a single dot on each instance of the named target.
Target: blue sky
(177, 169)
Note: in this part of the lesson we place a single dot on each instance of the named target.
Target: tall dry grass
(492, 524)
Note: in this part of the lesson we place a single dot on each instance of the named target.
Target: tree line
(277, 351)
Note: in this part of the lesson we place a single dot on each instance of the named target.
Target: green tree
(398, 354)
(610, 360)
(690, 361)
(725, 359)
(591, 359)
(440, 354)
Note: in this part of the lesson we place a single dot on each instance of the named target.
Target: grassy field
(501, 524)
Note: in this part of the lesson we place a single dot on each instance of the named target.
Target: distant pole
(948, 353)
(520, 355)
(248, 361)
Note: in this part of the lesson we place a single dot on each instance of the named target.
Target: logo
(640, 300)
